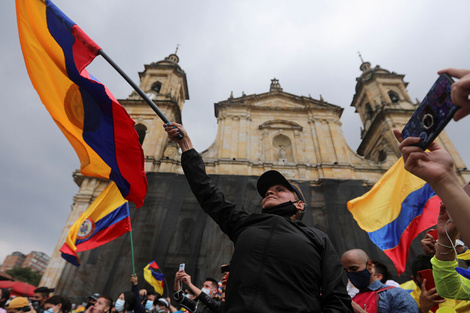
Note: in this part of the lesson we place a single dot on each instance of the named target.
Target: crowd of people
(281, 265)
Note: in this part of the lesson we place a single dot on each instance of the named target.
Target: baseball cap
(94, 296)
(271, 178)
(164, 301)
(18, 303)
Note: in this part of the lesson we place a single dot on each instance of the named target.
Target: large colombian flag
(56, 52)
(395, 211)
(154, 277)
(106, 219)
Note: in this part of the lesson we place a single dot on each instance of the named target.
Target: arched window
(156, 87)
(141, 131)
(393, 96)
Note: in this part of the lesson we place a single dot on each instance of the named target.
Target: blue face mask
(50, 310)
(119, 305)
(360, 279)
(148, 304)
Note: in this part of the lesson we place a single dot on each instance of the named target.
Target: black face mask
(286, 209)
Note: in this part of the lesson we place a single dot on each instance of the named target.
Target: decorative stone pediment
(281, 124)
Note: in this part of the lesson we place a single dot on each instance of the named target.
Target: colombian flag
(56, 52)
(154, 277)
(395, 211)
(106, 219)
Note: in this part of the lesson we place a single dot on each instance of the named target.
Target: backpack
(369, 300)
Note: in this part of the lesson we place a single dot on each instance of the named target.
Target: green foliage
(25, 274)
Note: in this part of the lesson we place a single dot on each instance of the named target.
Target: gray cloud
(310, 46)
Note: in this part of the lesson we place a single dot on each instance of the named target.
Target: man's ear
(379, 276)
(369, 266)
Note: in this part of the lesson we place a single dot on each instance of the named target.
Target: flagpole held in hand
(136, 88)
(132, 252)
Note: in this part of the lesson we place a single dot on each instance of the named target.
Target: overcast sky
(310, 46)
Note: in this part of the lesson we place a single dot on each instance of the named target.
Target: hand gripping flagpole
(136, 88)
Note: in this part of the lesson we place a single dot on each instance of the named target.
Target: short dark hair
(381, 268)
(66, 303)
(215, 283)
(109, 300)
(44, 291)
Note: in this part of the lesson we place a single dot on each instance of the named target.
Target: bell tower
(383, 103)
(165, 84)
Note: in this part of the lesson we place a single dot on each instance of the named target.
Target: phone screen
(433, 114)
(181, 268)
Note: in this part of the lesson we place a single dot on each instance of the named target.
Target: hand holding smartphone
(433, 114)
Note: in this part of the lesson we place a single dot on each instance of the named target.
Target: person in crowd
(103, 304)
(4, 296)
(57, 304)
(205, 299)
(39, 297)
(19, 305)
(266, 272)
(383, 274)
(90, 301)
(429, 248)
(148, 299)
(428, 298)
(448, 282)
(129, 301)
(362, 274)
(435, 165)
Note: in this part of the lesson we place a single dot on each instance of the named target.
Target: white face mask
(119, 305)
(207, 291)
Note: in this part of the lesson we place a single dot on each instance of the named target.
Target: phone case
(433, 114)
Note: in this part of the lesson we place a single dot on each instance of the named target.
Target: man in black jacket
(279, 264)
(205, 301)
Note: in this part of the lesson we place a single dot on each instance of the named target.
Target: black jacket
(279, 265)
(202, 304)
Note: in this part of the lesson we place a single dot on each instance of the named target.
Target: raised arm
(435, 166)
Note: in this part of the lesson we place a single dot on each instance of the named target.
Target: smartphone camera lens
(428, 121)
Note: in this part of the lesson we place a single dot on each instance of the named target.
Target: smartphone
(225, 268)
(181, 268)
(434, 233)
(427, 274)
(433, 114)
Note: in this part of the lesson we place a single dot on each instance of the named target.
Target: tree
(25, 274)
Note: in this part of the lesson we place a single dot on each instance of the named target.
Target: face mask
(35, 304)
(186, 295)
(119, 305)
(207, 291)
(160, 309)
(50, 310)
(284, 209)
(360, 279)
(148, 305)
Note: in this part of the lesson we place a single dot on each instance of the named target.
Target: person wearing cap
(279, 264)
(19, 304)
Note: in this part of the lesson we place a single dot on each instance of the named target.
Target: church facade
(299, 136)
